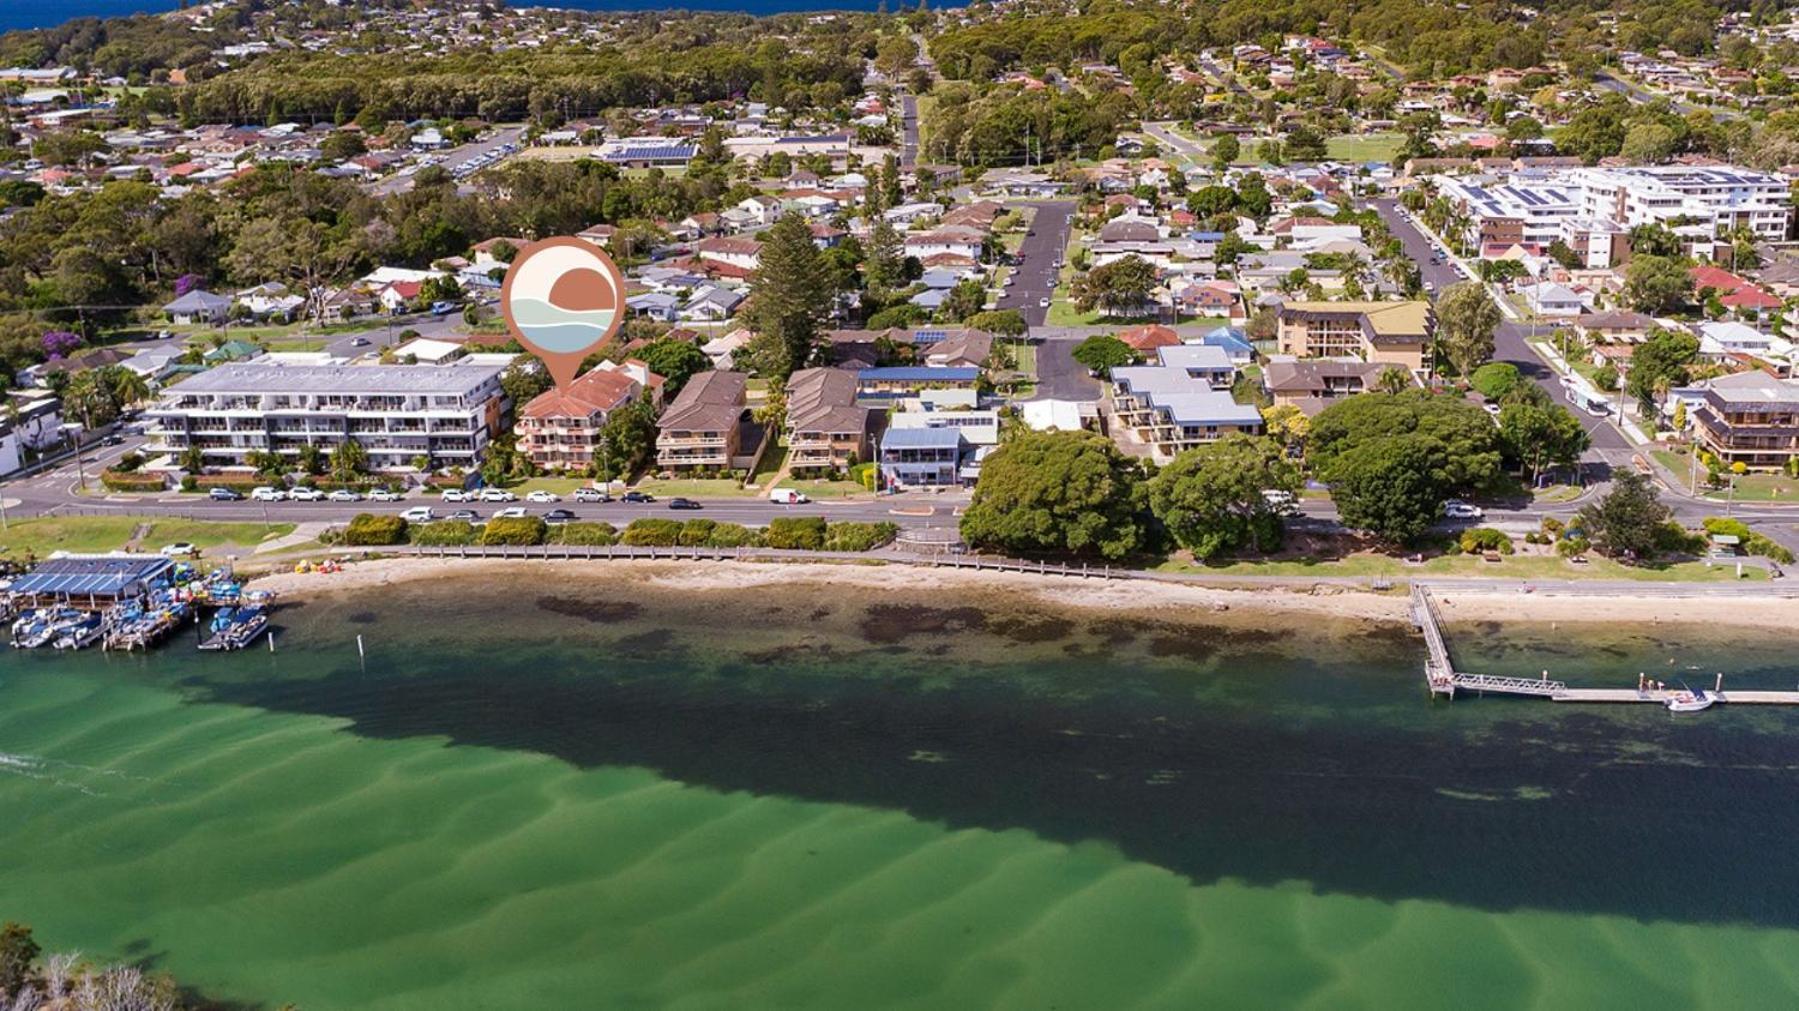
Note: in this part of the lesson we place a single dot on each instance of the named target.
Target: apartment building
(921, 457)
(1393, 333)
(826, 430)
(1721, 198)
(1750, 418)
(559, 430)
(702, 429)
(1507, 214)
(1311, 385)
(443, 415)
(1181, 402)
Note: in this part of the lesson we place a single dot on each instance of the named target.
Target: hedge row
(806, 533)
(370, 530)
(119, 480)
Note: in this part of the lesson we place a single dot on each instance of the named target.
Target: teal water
(610, 797)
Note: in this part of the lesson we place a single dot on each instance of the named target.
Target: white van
(418, 514)
(787, 496)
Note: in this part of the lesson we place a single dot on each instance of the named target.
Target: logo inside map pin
(562, 299)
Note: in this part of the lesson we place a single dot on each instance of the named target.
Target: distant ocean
(15, 14)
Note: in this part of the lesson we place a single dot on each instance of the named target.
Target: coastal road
(1034, 276)
(1643, 96)
(1511, 341)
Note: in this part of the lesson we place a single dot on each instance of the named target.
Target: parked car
(267, 493)
(468, 515)
(306, 495)
(591, 495)
(683, 503)
(418, 514)
(343, 495)
(384, 495)
(558, 516)
(1281, 501)
(225, 495)
(114, 439)
(1043, 303)
(1456, 509)
(511, 513)
(456, 495)
(359, 342)
(638, 496)
(540, 496)
(179, 548)
(495, 495)
(787, 496)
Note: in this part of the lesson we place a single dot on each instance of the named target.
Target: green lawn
(1751, 487)
(826, 489)
(1024, 357)
(83, 534)
(1364, 147)
(1368, 566)
(563, 486)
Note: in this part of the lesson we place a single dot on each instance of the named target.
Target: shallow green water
(836, 800)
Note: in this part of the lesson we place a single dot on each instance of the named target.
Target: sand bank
(1142, 595)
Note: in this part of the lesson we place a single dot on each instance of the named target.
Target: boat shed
(94, 580)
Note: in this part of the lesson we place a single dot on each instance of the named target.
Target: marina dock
(1441, 677)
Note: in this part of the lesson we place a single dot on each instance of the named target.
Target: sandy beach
(1335, 601)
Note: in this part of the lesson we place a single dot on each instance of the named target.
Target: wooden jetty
(1441, 677)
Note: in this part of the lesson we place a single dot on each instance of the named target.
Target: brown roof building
(826, 431)
(700, 430)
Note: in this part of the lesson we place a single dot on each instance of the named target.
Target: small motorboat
(1690, 701)
(80, 634)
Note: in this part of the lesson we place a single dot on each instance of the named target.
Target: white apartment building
(1720, 197)
(446, 414)
(1582, 206)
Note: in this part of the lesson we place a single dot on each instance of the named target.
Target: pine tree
(886, 264)
(793, 295)
(891, 194)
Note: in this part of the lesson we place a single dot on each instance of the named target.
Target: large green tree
(1462, 442)
(1466, 321)
(1389, 487)
(1540, 435)
(1118, 288)
(1657, 284)
(1628, 521)
(675, 361)
(794, 289)
(1102, 353)
(1211, 498)
(1663, 361)
(1058, 492)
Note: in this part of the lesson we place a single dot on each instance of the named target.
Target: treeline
(517, 85)
(85, 260)
(1002, 125)
(136, 48)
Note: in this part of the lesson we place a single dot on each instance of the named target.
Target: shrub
(652, 533)
(1486, 539)
(804, 533)
(1673, 539)
(696, 533)
(188, 483)
(118, 480)
(1552, 527)
(444, 533)
(733, 535)
(1533, 538)
(245, 483)
(522, 530)
(1752, 542)
(864, 475)
(859, 536)
(592, 534)
(130, 462)
(1568, 547)
(371, 529)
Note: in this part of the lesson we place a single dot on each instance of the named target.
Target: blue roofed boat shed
(92, 579)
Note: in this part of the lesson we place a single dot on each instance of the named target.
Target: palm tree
(127, 387)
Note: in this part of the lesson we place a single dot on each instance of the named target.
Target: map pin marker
(562, 299)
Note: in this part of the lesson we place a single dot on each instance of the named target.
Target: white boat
(80, 635)
(1690, 701)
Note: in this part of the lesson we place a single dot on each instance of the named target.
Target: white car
(496, 495)
(541, 496)
(1043, 303)
(457, 495)
(306, 495)
(1456, 509)
(383, 495)
(343, 495)
(418, 514)
(268, 493)
(179, 548)
(514, 513)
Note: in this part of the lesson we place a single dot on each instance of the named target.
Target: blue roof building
(93, 579)
(898, 382)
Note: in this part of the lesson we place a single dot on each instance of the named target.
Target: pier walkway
(1441, 677)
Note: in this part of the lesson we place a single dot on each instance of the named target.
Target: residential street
(1035, 272)
(452, 159)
